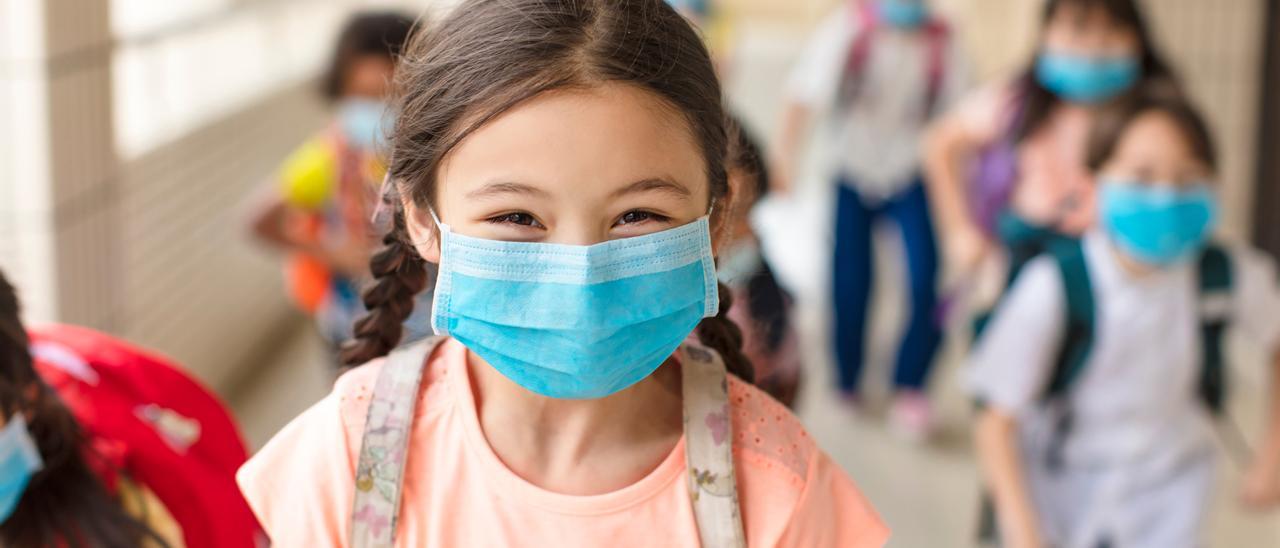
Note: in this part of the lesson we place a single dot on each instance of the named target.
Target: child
(876, 72)
(1102, 368)
(761, 307)
(560, 160)
(1007, 165)
(327, 188)
(103, 444)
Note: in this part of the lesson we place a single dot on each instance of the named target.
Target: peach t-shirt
(458, 493)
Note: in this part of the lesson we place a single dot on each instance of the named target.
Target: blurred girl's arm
(1261, 487)
(947, 148)
(996, 437)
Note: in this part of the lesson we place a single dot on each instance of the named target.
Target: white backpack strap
(384, 444)
(713, 488)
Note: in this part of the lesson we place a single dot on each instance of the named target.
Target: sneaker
(911, 416)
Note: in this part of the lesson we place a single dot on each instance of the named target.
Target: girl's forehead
(584, 142)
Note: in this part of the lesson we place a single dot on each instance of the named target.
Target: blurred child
(104, 444)
(327, 189)
(760, 306)
(1007, 165)
(561, 160)
(875, 73)
(1102, 369)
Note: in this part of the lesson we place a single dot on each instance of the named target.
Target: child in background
(327, 188)
(560, 160)
(875, 73)
(104, 444)
(760, 306)
(1102, 368)
(1006, 168)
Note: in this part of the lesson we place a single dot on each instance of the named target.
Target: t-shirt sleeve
(959, 74)
(1013, 358)
(984, 113)
(832, 512)
(300, 486)
(1257, 299)
(820, 65)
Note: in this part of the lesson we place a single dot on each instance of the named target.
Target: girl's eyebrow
(494, 189)
(658, 184)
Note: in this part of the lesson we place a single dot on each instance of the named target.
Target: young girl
(319, 211)
(876, 72)
(1007, 165)
(563, 162)
(1103, 366)
(101, 444)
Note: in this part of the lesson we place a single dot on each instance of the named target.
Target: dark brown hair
(382, 34)
(64, 504)
(1110, 126)
(1038, 102)
(488, 57)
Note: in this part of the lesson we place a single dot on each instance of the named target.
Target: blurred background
(134, 132)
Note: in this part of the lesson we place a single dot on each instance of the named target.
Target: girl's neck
(579, 447)
(1131, 266)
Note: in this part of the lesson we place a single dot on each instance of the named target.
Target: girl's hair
(1112, 124)
(365, 34)
(64, 504)
(1038, 102)
(488, 57)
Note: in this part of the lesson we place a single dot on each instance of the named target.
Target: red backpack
(148, 420)
(868, 23)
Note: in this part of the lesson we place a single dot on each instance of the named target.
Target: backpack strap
(380, 470)
(713, 487)
(1215, 282)
(939, 35)
(1077, 340)
(868, 23)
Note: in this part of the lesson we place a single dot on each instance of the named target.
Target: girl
(1007, 165)
(876, 72)
(103, 445)
(326, 189)
(563, 162)
(1101, 369)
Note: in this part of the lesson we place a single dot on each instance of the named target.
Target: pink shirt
(458, 493)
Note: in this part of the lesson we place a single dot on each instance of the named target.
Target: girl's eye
(637, 216)
(520, 218)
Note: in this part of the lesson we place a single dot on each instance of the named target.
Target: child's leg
(923, 335)
(851, 282)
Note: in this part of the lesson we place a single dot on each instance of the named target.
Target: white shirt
(1136, 412)
(877, 141)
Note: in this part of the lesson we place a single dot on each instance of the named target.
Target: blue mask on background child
(576, 322)
(1084, 79)
(19, 460)
(903, 13)
(365, 123)
(1158, 225)
(701, 8)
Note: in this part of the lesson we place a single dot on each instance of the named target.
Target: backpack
(146, 419)
(868, 21)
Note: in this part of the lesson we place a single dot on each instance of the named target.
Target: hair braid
(399, 275)
(725, 337)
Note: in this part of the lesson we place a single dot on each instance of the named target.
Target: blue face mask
(365, 123)
(700, 8)
(19, 460)
(1083, 79)
(903, 13)
(576, 322)
(1158, 225)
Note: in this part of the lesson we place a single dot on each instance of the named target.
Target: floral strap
(384, 444)
(713, 489)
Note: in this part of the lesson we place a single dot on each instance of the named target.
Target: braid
(724, 336)
(399, 275)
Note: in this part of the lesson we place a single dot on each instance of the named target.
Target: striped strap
(384, 444)
(713, 489)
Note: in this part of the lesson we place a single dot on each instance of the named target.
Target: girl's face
(574, 167)
(1089, 32)
(1153, 151)
(368, 77)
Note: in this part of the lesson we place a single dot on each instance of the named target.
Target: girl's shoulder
(354, 390)
(766, 433)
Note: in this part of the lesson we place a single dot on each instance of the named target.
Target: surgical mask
(700, 8)
(1085, 79)
(576, 322)
(365, 123)
(903, 13)
(1158, 225)
(19, 461)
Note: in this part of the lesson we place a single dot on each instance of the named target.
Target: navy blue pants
(853, 282)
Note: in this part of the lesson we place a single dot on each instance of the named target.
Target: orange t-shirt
(459, 493)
